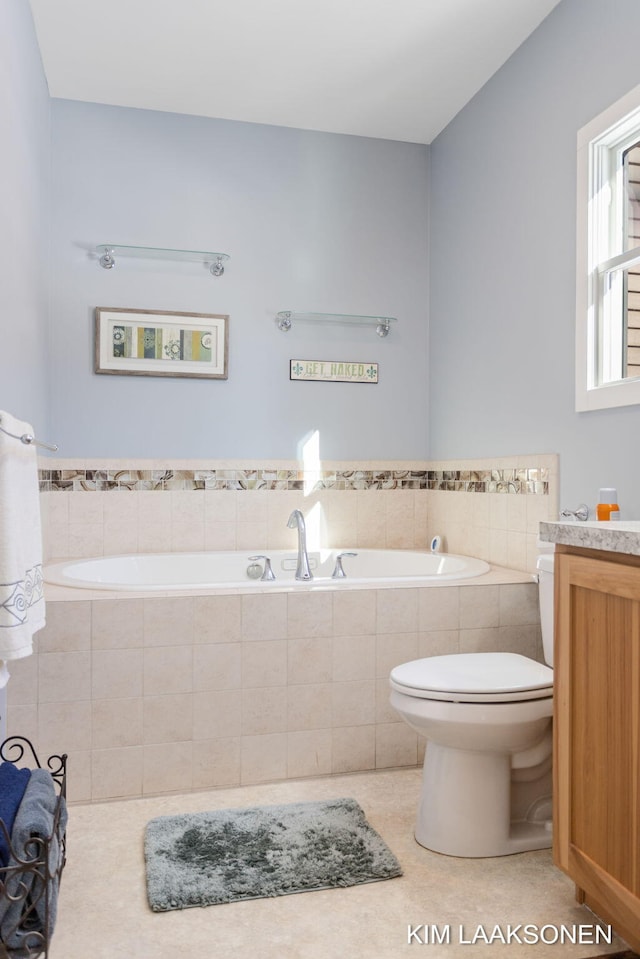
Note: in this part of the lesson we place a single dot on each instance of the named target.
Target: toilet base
(523, 837)
(466, 804)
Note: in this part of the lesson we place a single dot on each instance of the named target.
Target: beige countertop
(613, 537)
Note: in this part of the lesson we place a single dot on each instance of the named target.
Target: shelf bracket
(107, 260)
(284, 321)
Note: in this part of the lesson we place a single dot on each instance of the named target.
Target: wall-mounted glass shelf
(382, 324)
(108, 252)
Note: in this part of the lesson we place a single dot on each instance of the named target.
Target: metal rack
(32, 877)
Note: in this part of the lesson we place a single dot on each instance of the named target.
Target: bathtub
(229, 570)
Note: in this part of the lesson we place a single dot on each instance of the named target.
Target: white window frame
(600, 257)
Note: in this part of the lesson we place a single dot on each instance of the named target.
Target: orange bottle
(607, 508)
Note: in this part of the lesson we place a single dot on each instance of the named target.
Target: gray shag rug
(201, 859)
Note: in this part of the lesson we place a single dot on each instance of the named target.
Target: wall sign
(334, 371)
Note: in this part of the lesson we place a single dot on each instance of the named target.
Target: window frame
(599, 208)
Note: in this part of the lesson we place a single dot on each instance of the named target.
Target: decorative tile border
(519, 481)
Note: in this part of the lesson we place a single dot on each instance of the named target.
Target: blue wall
(503, 245)
(312, 221)
(322, 222)
(24, 219)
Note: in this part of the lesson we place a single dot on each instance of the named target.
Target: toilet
(486, 788)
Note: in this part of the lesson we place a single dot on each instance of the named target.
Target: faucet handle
(338, 572)
(581, 513)
(267, 573)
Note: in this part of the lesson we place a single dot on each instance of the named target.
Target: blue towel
(13, 782)
(23, 916)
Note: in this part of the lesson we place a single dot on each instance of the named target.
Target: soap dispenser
(607, 508)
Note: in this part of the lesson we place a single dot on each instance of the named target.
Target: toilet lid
(474, 677)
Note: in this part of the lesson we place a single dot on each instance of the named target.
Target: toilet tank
(544, 566)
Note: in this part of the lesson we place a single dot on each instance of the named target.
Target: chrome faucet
(338, 571)
(296, 520)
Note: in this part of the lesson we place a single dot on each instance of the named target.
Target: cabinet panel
(597, 733)
(602, 735)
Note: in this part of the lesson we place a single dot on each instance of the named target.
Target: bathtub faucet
(296, 520)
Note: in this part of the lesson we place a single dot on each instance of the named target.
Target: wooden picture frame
(157, 343)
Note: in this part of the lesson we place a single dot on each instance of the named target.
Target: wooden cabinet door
(597, 736)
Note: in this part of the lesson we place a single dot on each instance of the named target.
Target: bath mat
(201, 859)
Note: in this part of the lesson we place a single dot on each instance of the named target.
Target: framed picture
(153, 343)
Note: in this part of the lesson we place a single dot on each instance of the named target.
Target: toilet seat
(474, 678)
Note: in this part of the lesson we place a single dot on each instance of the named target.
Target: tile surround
(157, 694)
(486, 508)
(160, 710)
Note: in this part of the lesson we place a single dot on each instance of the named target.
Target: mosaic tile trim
(532, 481)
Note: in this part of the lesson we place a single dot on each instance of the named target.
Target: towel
(21, 585)
(13, 782)
(23, 907)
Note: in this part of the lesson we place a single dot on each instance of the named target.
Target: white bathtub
(165, 571)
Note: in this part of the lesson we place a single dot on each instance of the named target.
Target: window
(608, 258)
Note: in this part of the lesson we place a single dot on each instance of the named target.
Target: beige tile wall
(501, 529)
(191, 692)
(150, 696)
(498, 527)
(101, 523)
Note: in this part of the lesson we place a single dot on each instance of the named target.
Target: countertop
(613, 537)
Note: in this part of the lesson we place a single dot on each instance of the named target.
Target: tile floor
(103, 912)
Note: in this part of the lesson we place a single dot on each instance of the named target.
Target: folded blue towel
(13, 782)
(24, 918)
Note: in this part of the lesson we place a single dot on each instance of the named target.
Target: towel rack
(29, 440)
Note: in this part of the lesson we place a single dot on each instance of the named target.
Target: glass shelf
(108, 253)
(382, 324)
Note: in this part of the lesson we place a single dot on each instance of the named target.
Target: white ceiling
(393, 69)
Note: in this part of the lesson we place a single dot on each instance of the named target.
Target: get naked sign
(334, 371)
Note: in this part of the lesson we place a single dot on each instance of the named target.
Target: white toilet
(486, 788)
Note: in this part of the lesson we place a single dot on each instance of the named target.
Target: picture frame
(132, 342)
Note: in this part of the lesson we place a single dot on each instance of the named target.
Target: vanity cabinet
(597, 732)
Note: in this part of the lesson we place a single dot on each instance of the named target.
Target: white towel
(22, 610)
